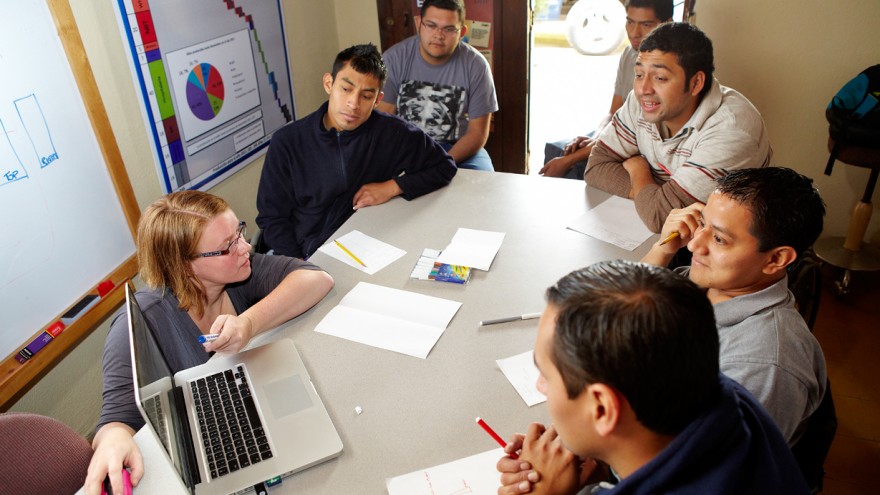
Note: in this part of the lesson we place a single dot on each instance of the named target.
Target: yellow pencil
(350, 254)
(670, 237)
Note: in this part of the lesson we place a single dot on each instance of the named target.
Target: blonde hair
(168, 233)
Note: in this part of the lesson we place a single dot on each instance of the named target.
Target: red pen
(494, 435)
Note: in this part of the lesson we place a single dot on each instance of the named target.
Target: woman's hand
(234, 333)
(115, 449)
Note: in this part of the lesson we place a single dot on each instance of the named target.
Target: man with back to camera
(569, 160)
(678, 131)
(756, 224)
(342, 157)
(443, 85)
(628, 360)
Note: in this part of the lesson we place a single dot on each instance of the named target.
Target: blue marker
(211, 337)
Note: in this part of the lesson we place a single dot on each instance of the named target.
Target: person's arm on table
(685, 222)
(653, 201)
(605, 171)
(616, 142)
(376, 193)
(115, 449)
(299, 291)
(473, 140)
(423, 166)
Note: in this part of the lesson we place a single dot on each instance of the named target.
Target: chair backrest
(805, 282)
(812, 448)
(41, 455)
(258, 243)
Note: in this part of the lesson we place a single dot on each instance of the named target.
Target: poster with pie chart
(214, 83)
(204, 91)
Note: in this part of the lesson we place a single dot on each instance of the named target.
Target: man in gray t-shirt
(443, 85)
(569, 159)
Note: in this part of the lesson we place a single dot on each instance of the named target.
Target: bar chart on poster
(67, 211)
(214, 81)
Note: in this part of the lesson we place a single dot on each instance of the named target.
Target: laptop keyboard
(153, 407)
(230, 426)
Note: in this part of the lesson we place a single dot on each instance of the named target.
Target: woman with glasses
(201, 279)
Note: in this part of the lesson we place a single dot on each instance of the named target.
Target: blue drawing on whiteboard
(34, 123)
(11, 168)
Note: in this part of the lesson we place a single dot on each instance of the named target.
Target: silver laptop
(236, 421)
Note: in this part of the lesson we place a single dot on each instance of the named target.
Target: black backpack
(854, 113)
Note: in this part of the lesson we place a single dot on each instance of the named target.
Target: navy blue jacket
(311, 175)
(733, 448)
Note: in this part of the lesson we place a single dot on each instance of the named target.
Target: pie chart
(204, 91)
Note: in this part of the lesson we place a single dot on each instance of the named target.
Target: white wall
(71, 392)
(789, 57)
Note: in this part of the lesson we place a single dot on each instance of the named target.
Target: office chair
(258, 244)
(41, 455)
(812, 448)
(805, 282)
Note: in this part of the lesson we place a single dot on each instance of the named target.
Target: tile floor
(848, 328)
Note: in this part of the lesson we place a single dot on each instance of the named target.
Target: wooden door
(395, 21)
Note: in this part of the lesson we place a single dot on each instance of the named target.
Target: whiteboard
(62, 225)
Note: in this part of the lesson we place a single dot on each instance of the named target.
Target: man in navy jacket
(628, 360)
(320, 169)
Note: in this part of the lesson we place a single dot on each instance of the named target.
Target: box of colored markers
(427, 268)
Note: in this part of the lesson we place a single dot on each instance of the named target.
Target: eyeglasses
(239, 234)
(432, 28)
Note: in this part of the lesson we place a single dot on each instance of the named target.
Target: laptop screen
(159, 403)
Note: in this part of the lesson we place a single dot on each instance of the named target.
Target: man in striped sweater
(679, 131)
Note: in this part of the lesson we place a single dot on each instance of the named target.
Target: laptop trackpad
(287, 396)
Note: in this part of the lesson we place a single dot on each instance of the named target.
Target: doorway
(574, 51)
(569, 91)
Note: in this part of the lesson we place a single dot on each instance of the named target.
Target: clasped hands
(545, 465)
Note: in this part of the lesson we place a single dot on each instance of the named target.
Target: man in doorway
(343, 157)
(569, 160)
(628, 360)
(678, 131)
(756, 223)
(443, 85)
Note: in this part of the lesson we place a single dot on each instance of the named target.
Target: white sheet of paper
(522, 373)
(475, 474)
(473, 248)
(392, 319)
(615, 221)
(373, 252)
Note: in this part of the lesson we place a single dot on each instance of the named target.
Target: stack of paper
(473, 248)
(392, 319)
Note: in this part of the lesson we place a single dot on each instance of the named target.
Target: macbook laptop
(237, 420)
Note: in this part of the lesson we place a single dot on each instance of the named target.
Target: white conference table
(420, 413)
